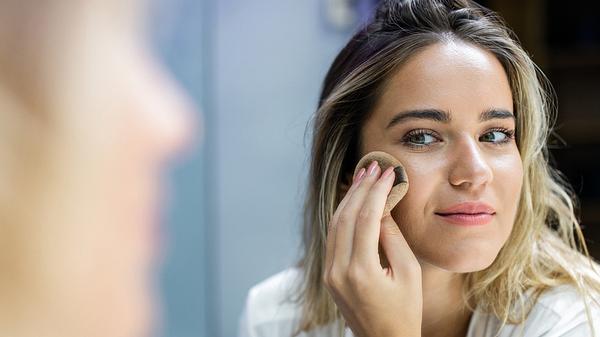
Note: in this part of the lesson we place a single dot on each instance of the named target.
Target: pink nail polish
(373, 168)
(386, 174)
(359, 175)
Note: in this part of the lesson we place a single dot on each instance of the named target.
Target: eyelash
(510, 135)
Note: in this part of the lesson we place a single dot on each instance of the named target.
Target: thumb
(399, 255)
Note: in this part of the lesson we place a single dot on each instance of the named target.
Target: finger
(368, 224)
(399, 254)
(347, 219)
(355, 181)
(332, 225)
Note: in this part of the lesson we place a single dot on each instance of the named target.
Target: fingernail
(359, 175)
(373, 168)
(386, 174)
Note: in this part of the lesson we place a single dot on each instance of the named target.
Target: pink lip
(468, 219)
(469, 208)
(468, 214)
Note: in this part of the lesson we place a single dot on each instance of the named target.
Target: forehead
(453, 76)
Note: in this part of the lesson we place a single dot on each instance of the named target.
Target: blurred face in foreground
(93, 120)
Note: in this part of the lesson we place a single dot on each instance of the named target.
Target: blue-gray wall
(255, 69)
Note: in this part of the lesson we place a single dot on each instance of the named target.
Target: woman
(88, 121)
(483, 243)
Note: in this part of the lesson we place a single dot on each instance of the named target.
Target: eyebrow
(444, 116)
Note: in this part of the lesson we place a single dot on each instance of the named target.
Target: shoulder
(271, 305)
(273, 297)
(565, 299)
(559, 311)
(569, 311)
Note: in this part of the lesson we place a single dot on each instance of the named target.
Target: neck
(444, 311)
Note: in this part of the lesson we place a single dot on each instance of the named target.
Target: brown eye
(419, 138)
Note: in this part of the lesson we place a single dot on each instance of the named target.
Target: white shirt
(559, 312)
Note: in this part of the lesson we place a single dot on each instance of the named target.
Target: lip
(468, 214)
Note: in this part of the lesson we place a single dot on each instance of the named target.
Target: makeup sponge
(386, 160)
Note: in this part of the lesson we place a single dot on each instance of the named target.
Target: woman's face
(147, 120)
(150, 122)
(117, 119)
(447, 115)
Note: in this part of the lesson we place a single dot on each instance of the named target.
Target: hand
(375, 301)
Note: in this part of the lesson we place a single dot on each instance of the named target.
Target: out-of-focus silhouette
(88, 120)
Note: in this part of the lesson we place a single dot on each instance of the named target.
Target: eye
(498, 136)
(419, 138)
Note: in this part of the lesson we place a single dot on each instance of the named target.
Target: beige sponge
(386, 160)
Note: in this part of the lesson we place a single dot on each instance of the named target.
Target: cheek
(507, 185)
(411, 211)
(508, 180)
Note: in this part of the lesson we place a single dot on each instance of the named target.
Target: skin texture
(464, 159)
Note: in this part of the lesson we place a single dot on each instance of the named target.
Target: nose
(469, 169)
(172, 121)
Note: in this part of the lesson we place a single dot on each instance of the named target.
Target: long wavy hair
(546, 247)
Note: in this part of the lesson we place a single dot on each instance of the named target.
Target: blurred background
(255, 69)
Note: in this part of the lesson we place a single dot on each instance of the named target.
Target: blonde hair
(546, 247)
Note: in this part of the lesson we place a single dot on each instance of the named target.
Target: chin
(457, 261)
